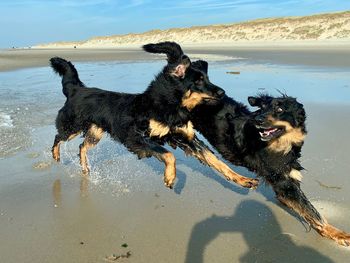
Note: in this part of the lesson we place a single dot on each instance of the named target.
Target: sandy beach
(331, 56)
(49, 212)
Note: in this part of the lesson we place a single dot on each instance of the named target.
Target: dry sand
(49, 213)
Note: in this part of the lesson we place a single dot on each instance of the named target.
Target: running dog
(139, 121)
(268, 142)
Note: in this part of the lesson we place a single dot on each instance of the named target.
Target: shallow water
(30, 98)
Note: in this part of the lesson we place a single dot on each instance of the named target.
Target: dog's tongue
(267, 132)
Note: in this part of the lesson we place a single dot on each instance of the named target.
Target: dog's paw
(169, 182)
(85, 171)
(343, 239)
(339, 236)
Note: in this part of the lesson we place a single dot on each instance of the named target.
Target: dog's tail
(171, 49)
(68, 73)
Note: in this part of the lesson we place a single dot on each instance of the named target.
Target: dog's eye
(279, 109)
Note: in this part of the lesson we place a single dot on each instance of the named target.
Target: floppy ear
(177, 60)
(171, 49)
(254, 101)
(182, 67)
(201, 65)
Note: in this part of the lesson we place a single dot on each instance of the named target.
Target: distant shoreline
(332, 56)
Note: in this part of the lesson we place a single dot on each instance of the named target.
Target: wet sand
(321, 56)
(50, 213)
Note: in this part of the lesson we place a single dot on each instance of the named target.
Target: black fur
(126, 117)
(246, 138)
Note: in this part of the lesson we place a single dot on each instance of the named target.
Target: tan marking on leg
(56, 147)
(170, 169)
(210, 159)
(56, 152)
(158, 129)
(72, 136)
(323, 228)
(296, 175)
(191, 99)
(186, 130)
(292, 136)
(92, 137)
(331, 232)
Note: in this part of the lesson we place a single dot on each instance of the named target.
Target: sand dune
(323, 28)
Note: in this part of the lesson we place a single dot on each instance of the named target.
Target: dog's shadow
(261, 232)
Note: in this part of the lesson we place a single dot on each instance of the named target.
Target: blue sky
(29, 22)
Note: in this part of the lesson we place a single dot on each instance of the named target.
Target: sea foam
(5, 120)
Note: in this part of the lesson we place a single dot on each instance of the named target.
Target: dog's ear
(181, 67)
(201, 65)
(301, 115)
(171, 49)
(254, 101)
(177, 60)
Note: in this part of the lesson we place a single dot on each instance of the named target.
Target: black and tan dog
(139, 121)
(267, 142)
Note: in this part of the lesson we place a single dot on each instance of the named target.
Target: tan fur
(331, 232)
(322, 227)
(158, 129)
(295, 174)
(186, 130)
(56, 152)
(72, 136)
(211, 160)
(170, 168)
(292, 136)
(192, 99)
(92, 137)
(56, 148)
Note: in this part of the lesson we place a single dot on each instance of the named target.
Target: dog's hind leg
(92, 137)
(288, 192)
(59, 138)
(145, 147)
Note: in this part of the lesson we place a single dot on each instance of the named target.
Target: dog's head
(199, 88)
(280, 121)
(178, 62)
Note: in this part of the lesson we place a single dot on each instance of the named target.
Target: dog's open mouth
(268, 133)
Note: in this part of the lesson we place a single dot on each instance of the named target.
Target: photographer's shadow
(261, 232)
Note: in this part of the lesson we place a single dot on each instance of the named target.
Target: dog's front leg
(288, 192)
(199, 150)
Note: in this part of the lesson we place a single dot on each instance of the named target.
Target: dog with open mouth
(267, 141)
